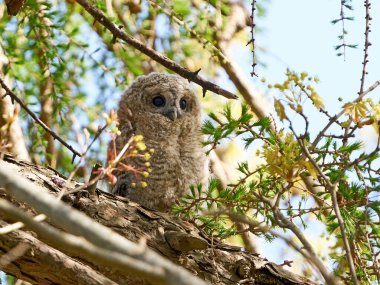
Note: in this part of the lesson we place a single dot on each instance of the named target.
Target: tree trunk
(176, 240)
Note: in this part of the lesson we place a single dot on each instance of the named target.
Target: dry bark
(9, 113)
(176, 240)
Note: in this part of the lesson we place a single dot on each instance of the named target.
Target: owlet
(165, 111)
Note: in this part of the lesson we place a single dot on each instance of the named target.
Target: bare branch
(367, 44)
(371, 88)
(168, 63)
(176, 18)
(346, 243)
(19, 225)
(252, 41)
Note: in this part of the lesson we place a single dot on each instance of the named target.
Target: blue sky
(298, 34)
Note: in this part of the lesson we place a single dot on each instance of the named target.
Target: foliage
(268, 193)
(88, 69)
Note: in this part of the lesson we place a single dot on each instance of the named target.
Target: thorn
(94, 172)
(204, 90)
(72, 160)
(196, 72)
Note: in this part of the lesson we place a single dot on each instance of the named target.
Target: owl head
(158, 102)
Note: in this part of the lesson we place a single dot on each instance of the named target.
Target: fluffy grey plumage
(163, 109)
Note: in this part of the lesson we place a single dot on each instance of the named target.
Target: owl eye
(183, 104)
(158, 101)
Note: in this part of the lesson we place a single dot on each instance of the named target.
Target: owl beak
(172, 114)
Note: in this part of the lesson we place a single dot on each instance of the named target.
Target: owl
(166, 112)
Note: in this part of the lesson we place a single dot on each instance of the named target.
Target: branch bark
(34, 265)
(208, 259)
(118, 32)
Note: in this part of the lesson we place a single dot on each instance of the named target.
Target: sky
(298, 34)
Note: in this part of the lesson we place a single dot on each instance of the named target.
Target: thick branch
(35, 265)
(78, 245)
(207, 258)
(78, 223)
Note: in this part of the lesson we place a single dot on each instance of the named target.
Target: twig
(342, 18)
(285, 223)
(13, 97)
(343, 29)
(368, 19)
(252, 41)
(371, 88)
(18, 225)
(332, 190)
(333, 119)
(346, 243)
(168, 63)
(316, 166)
(94, 173)
(81, 160)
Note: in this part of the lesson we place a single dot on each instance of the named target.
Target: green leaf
(349, 148)
(181, 7)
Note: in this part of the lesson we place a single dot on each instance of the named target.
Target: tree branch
(30, 266)
(79, 224)
(168, 63)
(13, 97)
(367, 44)
(80, 246)
(214, 261)
(252, 41)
